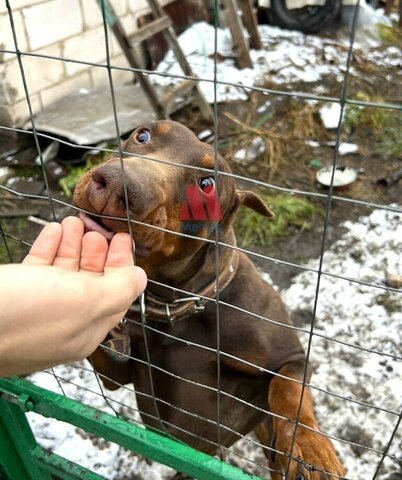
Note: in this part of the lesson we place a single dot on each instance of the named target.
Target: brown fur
(207, 160)
(252, 349)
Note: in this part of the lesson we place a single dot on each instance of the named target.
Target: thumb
(118, 290)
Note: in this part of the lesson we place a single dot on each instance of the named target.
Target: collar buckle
(199, 305)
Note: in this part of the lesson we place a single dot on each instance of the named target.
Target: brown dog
(261, 361)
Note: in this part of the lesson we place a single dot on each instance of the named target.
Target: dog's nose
(106, 189)
(109, 180)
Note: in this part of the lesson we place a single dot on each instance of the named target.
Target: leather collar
(157, 308)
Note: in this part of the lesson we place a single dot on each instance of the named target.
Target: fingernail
(141, 279)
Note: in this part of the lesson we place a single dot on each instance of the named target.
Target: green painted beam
(17, 441)
(61, 467)
(9, 458)
(138, 439)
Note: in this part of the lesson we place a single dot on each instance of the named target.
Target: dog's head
(170, 184)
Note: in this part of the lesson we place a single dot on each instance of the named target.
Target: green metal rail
(21, 458)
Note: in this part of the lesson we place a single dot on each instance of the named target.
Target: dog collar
(157, 308)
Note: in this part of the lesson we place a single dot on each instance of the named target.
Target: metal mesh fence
(67, 377)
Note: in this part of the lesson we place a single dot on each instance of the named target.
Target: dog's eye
(142, 136)
(207, 184)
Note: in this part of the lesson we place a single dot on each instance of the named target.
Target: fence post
(17, 441)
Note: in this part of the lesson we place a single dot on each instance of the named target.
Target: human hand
(68, 293)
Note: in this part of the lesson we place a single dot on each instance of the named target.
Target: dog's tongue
(92, 226)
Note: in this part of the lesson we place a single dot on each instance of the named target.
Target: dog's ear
(250, 200)
(253, 201)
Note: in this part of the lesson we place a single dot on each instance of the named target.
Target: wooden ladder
(162, 23)
(236, 24)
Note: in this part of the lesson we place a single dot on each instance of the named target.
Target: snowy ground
(364, 316)
(349, 312)
(286, 57)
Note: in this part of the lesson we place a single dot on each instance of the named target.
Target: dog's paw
(313, 455)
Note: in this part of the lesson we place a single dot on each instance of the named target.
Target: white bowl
(343, 176)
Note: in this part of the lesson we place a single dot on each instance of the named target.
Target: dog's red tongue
(92, 226)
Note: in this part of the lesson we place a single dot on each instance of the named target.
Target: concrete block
(121, 77)
(138, 6)
(88, 47)
(100, 76)
(6, 35)
(142, 7)
(129, 23)
(17, 4)
(71, 85)
(93, 13)
(114, 45)
(52, 21)
(5, 98)
(18, 114)
(6, 117)
(119, 6)
(40, 73)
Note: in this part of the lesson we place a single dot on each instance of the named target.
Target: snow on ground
(105, 458)
(348, 312)
(363, 316)
(287, 56)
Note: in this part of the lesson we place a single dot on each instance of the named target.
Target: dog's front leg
(112, 359)
(312, 452)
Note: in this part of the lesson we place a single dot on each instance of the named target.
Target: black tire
(307, 19)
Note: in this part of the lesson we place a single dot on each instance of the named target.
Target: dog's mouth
(94, 224)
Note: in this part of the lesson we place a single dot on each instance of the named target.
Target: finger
(69, 252)
(117, 291)
(44, 248)
(120, 252)
(93, 253)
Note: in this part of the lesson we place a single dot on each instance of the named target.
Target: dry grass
(284, 129)
(391, 35)
(383, 125)
(273, 143)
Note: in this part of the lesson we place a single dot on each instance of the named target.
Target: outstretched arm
(60, 303)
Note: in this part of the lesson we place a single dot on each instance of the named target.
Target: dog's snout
(108, 177)
(112, 191)
(106, 189)
(99, 180)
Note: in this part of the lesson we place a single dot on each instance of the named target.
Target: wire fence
(68, 379)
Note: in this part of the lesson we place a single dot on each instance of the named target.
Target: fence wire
(64, 383)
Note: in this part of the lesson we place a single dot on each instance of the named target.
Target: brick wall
(70, 29)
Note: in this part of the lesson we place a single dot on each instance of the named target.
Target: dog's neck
(194, 273)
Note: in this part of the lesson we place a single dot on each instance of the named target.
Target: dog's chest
(185, 380)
